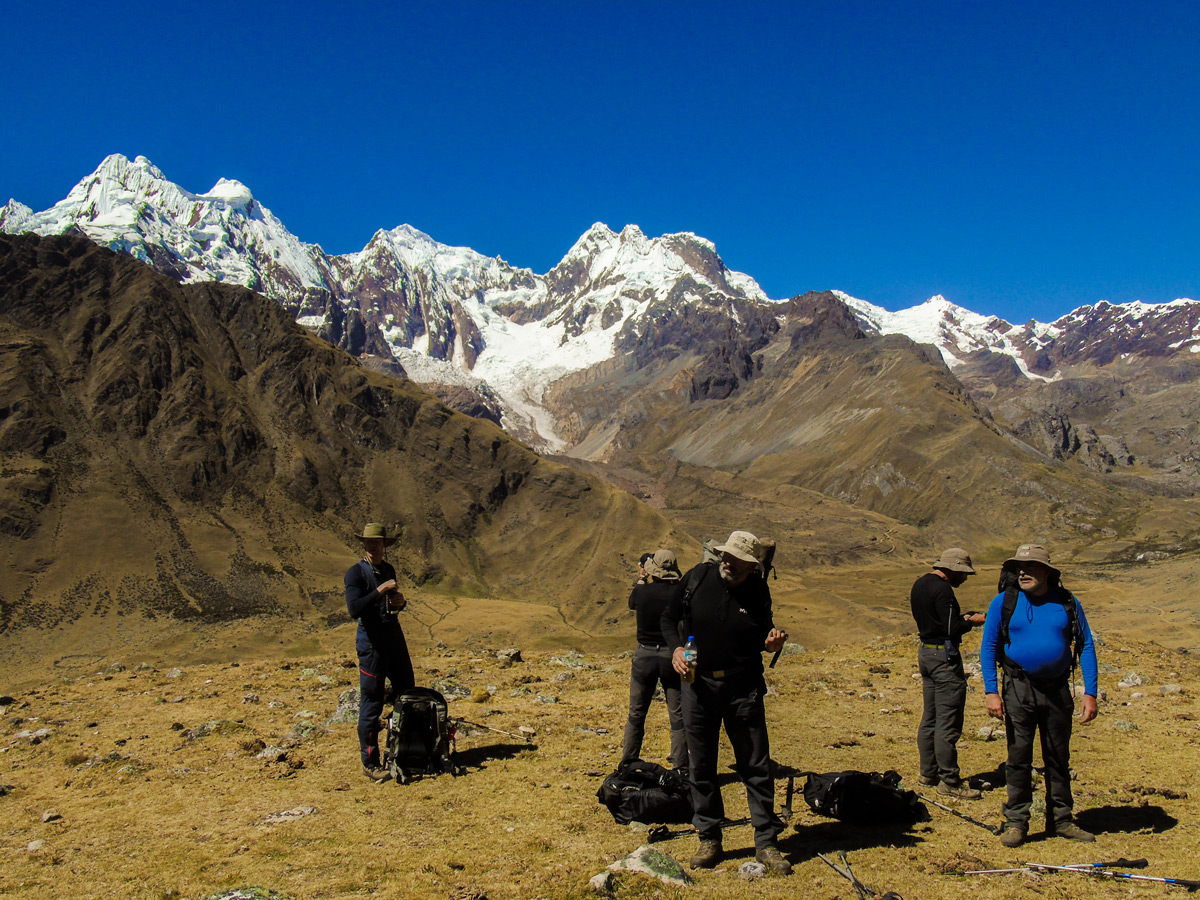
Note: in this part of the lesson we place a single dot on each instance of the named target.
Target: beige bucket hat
(663, 566)
(743, 545)
(955, 559)
(1031, 553)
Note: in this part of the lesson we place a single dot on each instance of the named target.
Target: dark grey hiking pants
(736, 702)
(944, 686)
(652, 666)
(1047, 707)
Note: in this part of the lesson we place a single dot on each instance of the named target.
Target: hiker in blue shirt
(1036, 648)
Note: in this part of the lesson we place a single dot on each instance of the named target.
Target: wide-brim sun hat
(743, 545)
(955, 559)
(663, 566)
(377, 531)
(1031, 553)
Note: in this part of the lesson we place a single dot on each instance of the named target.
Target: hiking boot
(1073, 832)
(377, 773)
(961, 791)
(770, 857)
(928, 780)
(1012, 835)
(707, 856)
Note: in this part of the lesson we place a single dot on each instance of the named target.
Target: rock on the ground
(602, 883)
(646, 860)
(751, 870)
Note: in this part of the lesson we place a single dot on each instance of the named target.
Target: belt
(725, 673)
(653, 646)
(934, 646)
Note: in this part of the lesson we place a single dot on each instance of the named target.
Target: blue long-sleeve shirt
(1039, 641)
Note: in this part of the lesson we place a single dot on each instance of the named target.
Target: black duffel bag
(646, 792)
(868, 798)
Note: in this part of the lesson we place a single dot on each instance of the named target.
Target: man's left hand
(1090, 709)
(775, 640)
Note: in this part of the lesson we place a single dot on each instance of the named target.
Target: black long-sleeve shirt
(376, 627)
(935, 610)
(650, 602)
(730, 624)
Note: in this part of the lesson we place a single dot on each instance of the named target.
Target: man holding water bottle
(725, 612)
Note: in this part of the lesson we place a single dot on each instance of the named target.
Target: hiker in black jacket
(652, 658)
(372, 599)
(727, 608)
(941, 625)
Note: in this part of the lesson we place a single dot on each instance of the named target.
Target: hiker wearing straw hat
(1036, 632)
(374, 600)
(941, 626)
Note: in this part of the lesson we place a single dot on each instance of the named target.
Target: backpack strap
(690, 586)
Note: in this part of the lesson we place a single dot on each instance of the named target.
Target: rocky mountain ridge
(494, 336)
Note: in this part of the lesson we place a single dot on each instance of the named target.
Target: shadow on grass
(1126, 819)
(997, 778)
(478, 757)
(806, 841)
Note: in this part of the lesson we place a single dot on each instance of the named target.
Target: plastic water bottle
(689, 657)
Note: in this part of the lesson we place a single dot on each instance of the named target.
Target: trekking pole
(658, 833)
(962, 815)
(853, 881)
(1121, 863)
(525, 737)
(1105, 873)
(859, 887)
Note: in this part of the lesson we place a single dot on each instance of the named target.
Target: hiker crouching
(1035, 631)
(372, 599)
(941, 626)
(727, 608)
(652, 658)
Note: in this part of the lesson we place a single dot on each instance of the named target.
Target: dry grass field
(151, 769)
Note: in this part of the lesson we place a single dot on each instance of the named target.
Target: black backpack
(420, 736)
(867, 798)
(646, 792)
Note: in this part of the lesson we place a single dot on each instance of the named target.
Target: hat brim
(1015, 562)
(744, 557)
(387, 542)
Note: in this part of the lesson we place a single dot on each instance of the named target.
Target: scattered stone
(572, 660)
(986, 733)
(1136, 695)
(646, 860)
(178, 698)
(51, 815)
(504, 663)
(324, 680)
(449, 689)
(203, 730)
(790, 649)
(563, 677)
(512, 654)
(602, 883)
(250, 698)
(272, 754)
(274, 704)
(481, 695)
(35, 846)
(175, 673)
(525, 729)
(115, 668)
(34, 737)
(305, 714)
(547, 699)
(879, 670)
(308, 673)
(347, 708)
(1122, 725)
(247, 893)
(1171, 689)
(1133, 679)
(749, 871)
(289, 815)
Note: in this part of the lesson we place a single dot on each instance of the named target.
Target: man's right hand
(678, 663)
(387, 587)
(976, 618)
(995, 706)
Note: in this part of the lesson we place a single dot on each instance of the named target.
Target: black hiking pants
(944, 685)
(1045, 707)
(737, 703)
(651, 667)
(374, 670)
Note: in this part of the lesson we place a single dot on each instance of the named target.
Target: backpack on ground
(420, 736)
(646, 792)
(868, 798)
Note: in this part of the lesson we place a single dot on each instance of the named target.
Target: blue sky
(1020, 158)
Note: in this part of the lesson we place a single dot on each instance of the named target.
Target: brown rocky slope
(190, 452)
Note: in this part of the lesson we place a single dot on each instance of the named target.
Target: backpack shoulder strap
(690, 585)
(1006, 613)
